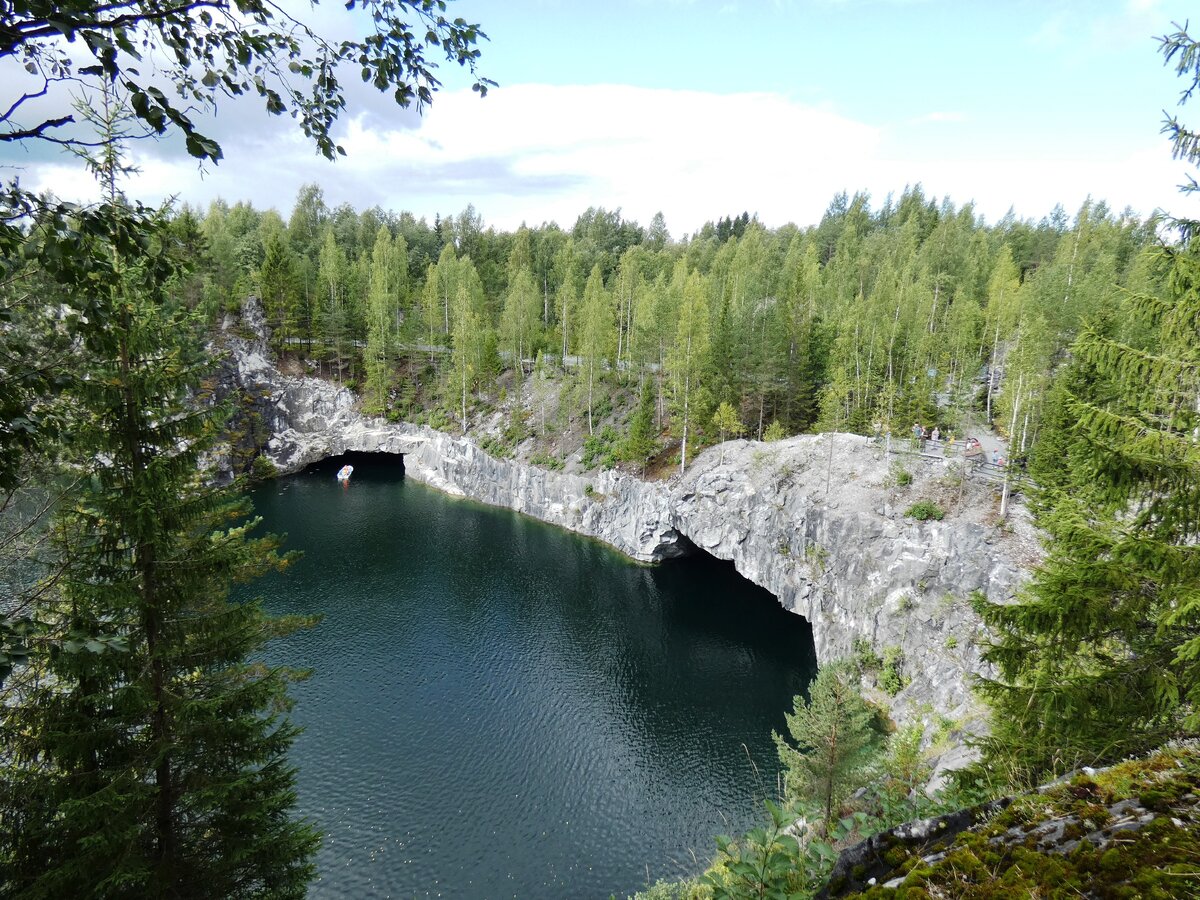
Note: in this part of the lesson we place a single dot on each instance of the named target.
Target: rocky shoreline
(815, 519)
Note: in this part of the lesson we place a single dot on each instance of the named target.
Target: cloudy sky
(702, 109)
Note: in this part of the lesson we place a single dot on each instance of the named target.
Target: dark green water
(503, 709)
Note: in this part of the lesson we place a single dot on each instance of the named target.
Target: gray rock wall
(812, 519)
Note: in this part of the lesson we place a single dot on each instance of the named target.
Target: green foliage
(206, 56)
(262, 469)
(774, 432)
(602, 448)
(640, 442)
(546, 461)
(768, 863)
(1100, 657)
(726, 421)
(496, 445)
(519, 322)
(864, 657)
(899, 476)
(891, 671)
(383, 303)
(904, 767)
(596, 332)
(925, 511)
(816, 556)
(835, 744)
(686, 360)
(145, 755)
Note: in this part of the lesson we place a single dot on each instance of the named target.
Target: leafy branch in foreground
(206, 50)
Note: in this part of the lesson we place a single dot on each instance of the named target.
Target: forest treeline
(884, 315)
(145, 741)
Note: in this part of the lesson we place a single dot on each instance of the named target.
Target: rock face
(811, 519)
(815, 521)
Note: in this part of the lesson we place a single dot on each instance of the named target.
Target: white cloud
(938, 117)
(535, 153)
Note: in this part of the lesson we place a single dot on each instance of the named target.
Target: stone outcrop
(815, 520)
(819, 522)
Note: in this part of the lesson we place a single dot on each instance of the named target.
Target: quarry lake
(502, 709)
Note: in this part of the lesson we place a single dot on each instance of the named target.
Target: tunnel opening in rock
(376, 466)
(729, 602)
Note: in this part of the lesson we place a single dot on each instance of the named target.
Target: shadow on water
(502, 708)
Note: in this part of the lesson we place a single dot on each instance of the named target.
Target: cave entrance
(710, 595)
(367, 466)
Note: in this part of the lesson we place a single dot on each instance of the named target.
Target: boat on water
(345, 472)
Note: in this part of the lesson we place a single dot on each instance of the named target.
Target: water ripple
(502, 709)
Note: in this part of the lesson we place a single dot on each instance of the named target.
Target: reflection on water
(503, 709)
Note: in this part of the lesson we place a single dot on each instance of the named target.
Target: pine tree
(276, 284)
(835, 743)
(146, 757)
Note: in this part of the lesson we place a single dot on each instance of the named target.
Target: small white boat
(345, 472)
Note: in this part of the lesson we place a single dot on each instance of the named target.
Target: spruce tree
(1101, 656)
(276, 284)
(639, 443)
(144, 755)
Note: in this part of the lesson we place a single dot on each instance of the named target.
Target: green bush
(900, 476)
(496, 446)
(864, 656)
(601, 448)
(262, 469)
(924, 510)
(546, 461)
(891, 677)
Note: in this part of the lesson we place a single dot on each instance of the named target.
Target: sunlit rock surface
(816, 520)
